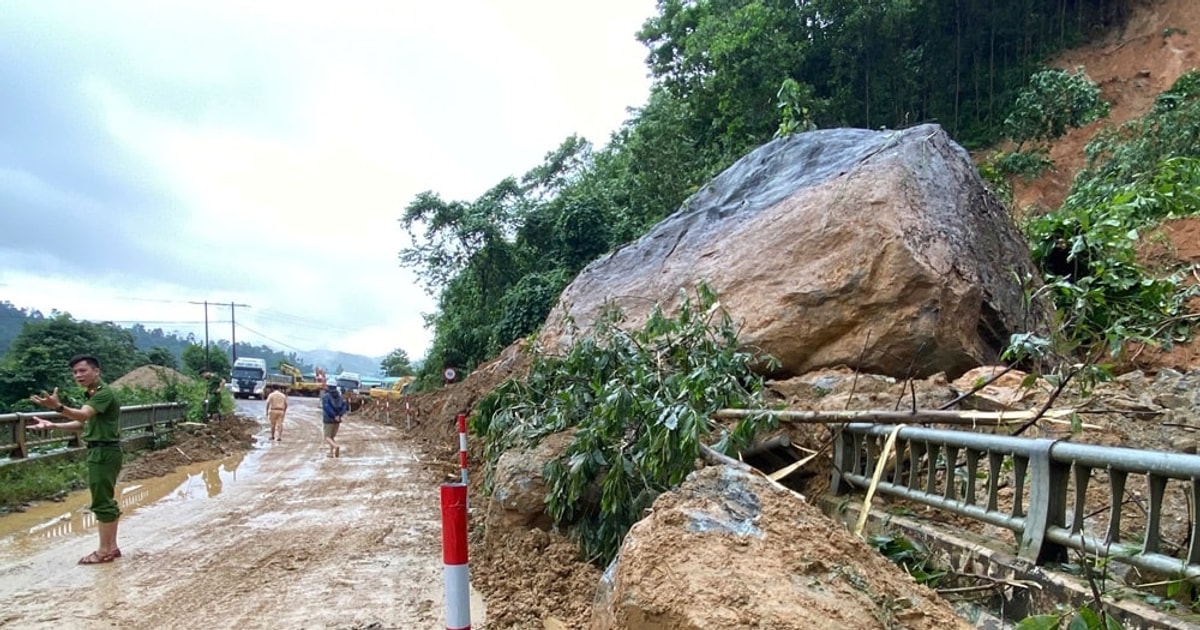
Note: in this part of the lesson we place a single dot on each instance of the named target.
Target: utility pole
(233, 328)
(207, 362)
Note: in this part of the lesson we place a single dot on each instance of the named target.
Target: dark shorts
(103, 466)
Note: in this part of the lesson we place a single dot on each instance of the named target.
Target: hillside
(531, 577)
(1132, 66)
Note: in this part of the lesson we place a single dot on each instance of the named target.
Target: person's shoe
(98, 558)
(337, 451)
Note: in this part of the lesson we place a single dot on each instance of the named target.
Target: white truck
(249, 378)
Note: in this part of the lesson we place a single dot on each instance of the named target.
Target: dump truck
(282, 381)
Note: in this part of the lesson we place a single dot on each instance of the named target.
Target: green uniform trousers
(103, 466)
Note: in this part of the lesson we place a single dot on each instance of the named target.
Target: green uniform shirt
(105, 425)
(214, 384)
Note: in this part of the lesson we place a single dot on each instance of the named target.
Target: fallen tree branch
(965, 395)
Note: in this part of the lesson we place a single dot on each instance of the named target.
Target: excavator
(397, 391)
(300, 387)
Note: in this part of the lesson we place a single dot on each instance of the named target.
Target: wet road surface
(279, 537)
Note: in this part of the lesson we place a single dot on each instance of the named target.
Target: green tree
(396, 363)
(639, 403)
(195, 362)
(37, 358)
(1053, 102)
(159, 355)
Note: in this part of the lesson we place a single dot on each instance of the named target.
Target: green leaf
(1038, 622)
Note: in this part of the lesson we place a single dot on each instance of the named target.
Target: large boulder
(878, 250)
(728, 550)
(519, 488)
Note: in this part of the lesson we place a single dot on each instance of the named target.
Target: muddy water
(281, 537)
(20, 532)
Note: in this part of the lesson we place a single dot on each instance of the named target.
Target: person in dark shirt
(333, 408)
(98, 421)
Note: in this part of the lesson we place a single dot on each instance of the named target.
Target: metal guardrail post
(21, 451)
(1047, 503)
(845, 445)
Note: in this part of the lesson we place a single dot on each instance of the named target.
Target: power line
(288, 346)
(280, 316)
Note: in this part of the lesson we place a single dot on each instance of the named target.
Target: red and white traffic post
(454, 556)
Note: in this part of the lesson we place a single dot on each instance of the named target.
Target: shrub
(639, 402)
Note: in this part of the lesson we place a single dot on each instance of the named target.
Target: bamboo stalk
(922, 416)
(716, 457)
(883, 456)
(791, 468)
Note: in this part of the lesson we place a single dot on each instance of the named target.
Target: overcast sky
(159, 152)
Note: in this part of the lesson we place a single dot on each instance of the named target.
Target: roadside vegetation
(676, 370)
(40, 480)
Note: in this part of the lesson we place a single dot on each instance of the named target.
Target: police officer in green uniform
(98, 420)
(212, 402)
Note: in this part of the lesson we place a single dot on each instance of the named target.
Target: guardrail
(962, 472)
(16, 439)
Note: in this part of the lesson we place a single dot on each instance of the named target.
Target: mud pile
(151, 377)
(193, 442)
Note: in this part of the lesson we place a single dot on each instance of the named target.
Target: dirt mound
(151, 377)
(434, 426)
(194, 442)
(531, 578)
(736, 552)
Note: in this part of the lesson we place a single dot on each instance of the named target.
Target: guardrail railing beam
(17, 442)
(1047, 478)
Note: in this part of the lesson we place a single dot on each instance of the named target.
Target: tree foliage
(37, 358)
(727, 76)
(396, 363)
(1053, 102)
(1138, 175)
(196, 361)
(639, 403)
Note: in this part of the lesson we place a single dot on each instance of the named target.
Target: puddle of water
(55, 519)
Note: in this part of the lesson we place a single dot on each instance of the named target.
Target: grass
(39, 480)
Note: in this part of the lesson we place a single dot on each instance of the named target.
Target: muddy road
(279, 537)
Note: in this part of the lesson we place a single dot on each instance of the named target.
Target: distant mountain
(13, 318)
(331, 359)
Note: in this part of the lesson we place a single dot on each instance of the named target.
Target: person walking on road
(98, 421)
(277, 403)
(333, 408)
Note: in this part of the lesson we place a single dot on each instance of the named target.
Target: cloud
(153, 154)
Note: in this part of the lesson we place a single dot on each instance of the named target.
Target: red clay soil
(1132, 66)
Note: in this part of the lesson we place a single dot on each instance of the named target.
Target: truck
(283, 382)
(249, 378)
(352, 389)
